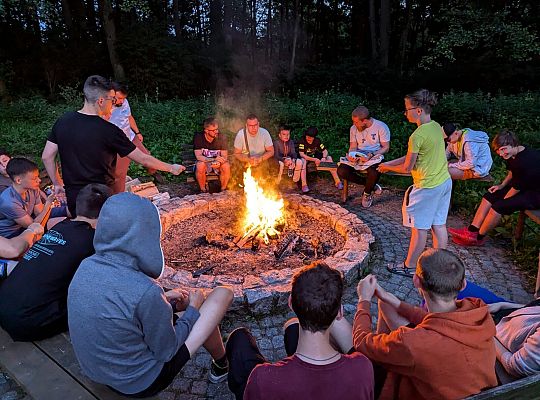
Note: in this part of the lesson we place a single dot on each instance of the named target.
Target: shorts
(424, 207)
(524, 200)
(468, 174)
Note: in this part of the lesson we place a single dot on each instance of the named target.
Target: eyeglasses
(212, 130)
(409, 109)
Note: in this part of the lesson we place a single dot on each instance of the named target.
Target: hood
(470, 325)
(128, 234)
(475, 136)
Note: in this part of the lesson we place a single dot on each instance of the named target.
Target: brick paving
(487, 265)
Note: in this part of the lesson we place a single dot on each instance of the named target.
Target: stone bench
(48, 369)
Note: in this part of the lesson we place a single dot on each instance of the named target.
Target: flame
(262, 209)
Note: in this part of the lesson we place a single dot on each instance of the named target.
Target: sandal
(400, 269)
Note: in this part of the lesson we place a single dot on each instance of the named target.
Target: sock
(480, 237)
(473, 228)
(222, 362)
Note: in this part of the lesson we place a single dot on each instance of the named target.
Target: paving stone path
(488, 266)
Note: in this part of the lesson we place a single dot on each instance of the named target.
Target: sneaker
(378, 189)
(217, 374)
(296, 175)
(305, 189)
(339, 185)
(461, 233)
(367, 200)
(469, 241)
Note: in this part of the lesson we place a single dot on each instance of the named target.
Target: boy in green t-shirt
(426, 202)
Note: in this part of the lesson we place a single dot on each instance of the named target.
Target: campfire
(264, 217)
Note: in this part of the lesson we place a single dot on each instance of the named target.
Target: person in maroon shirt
(314, 368)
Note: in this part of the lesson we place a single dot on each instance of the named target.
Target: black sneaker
(217, 374)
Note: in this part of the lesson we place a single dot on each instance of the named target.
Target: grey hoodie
(120, 323)
(472, 153)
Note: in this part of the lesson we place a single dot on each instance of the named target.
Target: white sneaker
(378, 189)
(367, 200)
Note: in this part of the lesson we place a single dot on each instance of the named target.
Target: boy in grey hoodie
(120, 320)
(471, 149)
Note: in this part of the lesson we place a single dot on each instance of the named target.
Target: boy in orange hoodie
(446, 352)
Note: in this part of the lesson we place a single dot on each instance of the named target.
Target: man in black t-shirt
(34, 296)
(210, 149)
(312, 149)
(88, 145)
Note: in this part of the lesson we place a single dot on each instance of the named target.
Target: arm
(155, 316)
(411, 313)
(525, 361)
(200, 157)
(13, 248)
(241, 156)
(151, 162)
(468, 162)
(397, 161)
(269, 152)
(352, 146)
(134, 127)
(502, 305)
(49, 160)
(405, 168)
(385, 147)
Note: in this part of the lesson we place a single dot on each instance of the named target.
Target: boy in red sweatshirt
(446, 352)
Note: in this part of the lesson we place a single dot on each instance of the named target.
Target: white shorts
(424, 207)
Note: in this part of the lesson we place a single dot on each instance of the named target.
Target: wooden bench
(525, 388)
(48, 369)
(534, 215)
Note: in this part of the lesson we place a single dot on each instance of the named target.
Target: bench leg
(345, 191)
(520, 225)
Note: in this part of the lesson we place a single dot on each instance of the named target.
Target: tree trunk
(176, 20)
(295, 38)
(384, 33)
(405, 37)
(68, 18)
(228, 22)
(373, 30)
(268, 47)
(110, 33)
(253, 30)
(215, 17)
(91, 17)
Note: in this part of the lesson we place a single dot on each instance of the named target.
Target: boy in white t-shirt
(370, 137)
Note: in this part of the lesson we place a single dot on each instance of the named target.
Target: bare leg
(491, 221)
(440, 236)
(280, 172)
(200, 175)
(341, 334)
(481, 213)
(303, 174)
(416, 246)
(205, 330)
(391, 317)
(224, 175)
(455, 174)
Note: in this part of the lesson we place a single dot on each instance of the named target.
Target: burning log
(252, 233)
(286, 246)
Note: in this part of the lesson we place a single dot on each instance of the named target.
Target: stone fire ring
(261, 294)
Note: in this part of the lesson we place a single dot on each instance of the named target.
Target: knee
(225, 167)
(200, 167)
(224, 295)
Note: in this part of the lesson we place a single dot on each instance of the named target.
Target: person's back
(292, 378)
(34, 296)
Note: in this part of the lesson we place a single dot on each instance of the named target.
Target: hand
(181, 296)
(215, 164)
(50, 199)
(494, 188)
(382, 168)
(196, 298)
(60, 192)
(317, 162)
(36, 228)
(350, 158)
(221, 160)
(364, 159)
(366, 288)
(140, 137)
(177, 169)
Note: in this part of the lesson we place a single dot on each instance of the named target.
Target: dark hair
(423, 99)
(209, 121)
(450, 128)
(316, 296)
(95, 87)
(361, 112)
(441, 273)
(120, 87)
(4, 152)
(91, 198)
(311, 131)
(252, 116)
(504, 138)
(284, 127)
(18, 166)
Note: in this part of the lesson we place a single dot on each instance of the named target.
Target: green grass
(166, 125)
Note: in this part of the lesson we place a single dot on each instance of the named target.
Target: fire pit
(210, 240)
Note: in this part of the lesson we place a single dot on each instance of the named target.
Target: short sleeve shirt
(120, 117)
(369, 140)
(310, 149)
(525, 167)
(14, 206)
(431, 167)
(209, 149)
(88, 147)
(257, 144)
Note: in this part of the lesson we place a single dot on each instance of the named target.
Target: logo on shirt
(210, 153)
(52, 238)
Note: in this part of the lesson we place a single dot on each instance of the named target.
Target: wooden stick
(253, 232)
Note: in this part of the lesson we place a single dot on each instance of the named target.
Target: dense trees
(168, 48)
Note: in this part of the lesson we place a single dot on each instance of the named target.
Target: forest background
(301, 62)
